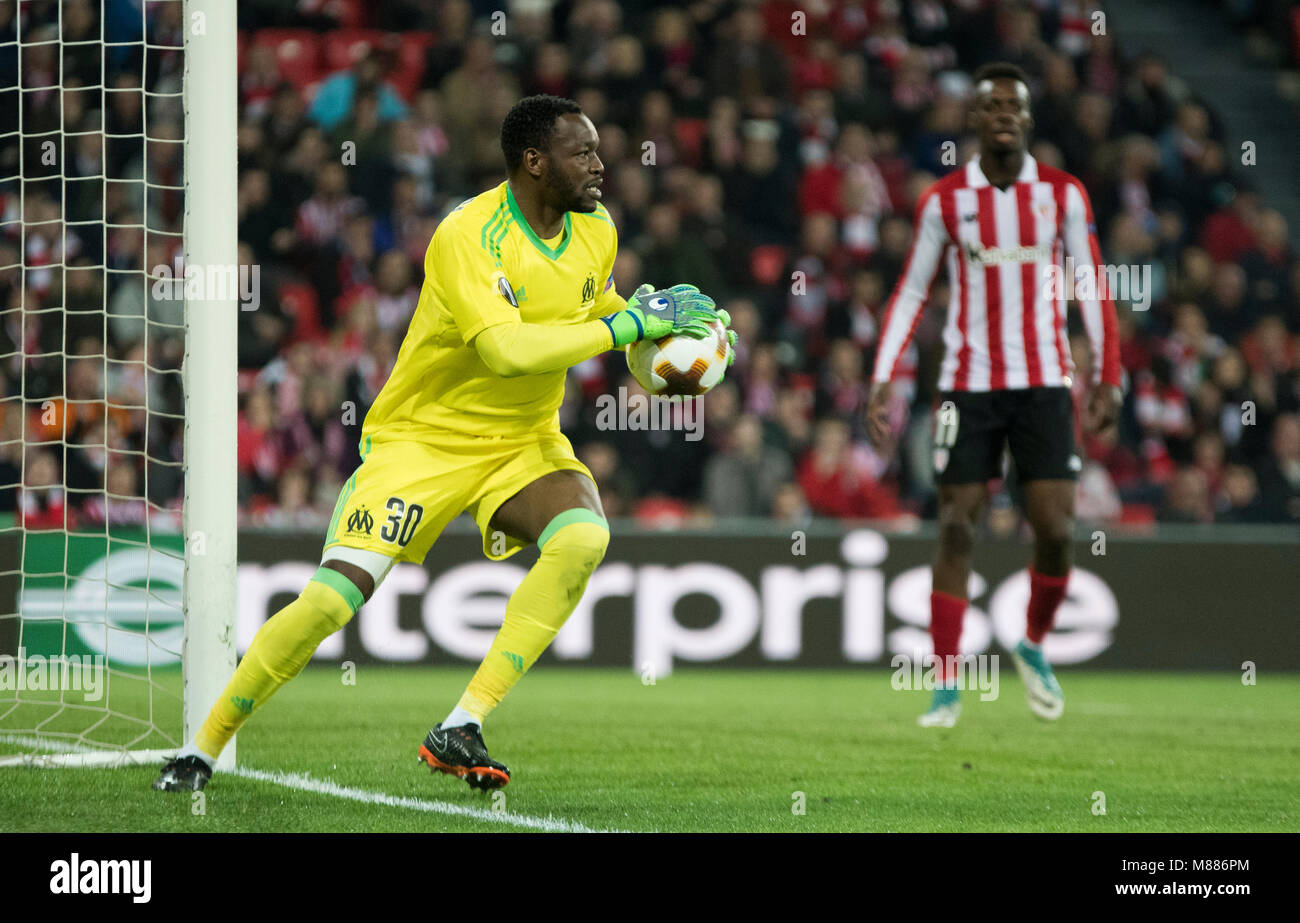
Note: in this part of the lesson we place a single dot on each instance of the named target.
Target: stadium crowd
(774, 167)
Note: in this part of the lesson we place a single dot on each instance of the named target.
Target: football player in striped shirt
(1002, 225)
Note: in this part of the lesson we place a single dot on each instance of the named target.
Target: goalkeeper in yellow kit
(517, 289)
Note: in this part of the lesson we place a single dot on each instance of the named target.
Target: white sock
(458, 717)
(190, 750)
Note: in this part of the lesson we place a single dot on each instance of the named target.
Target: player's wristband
(625, 327)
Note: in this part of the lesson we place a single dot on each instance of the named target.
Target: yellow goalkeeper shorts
(405, 492)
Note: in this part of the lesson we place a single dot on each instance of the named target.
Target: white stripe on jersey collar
(975, 177)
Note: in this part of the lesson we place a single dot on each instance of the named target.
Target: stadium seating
(296, 52)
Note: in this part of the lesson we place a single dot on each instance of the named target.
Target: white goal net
(113, 376)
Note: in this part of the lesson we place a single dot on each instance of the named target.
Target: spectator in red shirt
(1229, 232)
(258, 454)
(839, 479)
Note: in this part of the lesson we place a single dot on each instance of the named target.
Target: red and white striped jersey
(1006, 320)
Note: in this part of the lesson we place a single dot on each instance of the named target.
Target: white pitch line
(305, 783)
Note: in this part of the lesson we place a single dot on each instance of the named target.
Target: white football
(678, 366)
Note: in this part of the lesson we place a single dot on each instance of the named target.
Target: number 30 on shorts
(401, 522)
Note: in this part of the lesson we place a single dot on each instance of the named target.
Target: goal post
(210, 367)
(118, 379)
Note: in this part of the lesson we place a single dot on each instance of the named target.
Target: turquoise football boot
(945, 708)
(1046, 700)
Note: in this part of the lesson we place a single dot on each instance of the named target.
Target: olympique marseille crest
(360, 521)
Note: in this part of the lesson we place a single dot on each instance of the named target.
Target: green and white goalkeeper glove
(731, 338)
(682, 310)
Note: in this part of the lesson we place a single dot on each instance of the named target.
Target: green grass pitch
(714, 750)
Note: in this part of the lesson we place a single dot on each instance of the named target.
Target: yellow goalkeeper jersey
(486, 266)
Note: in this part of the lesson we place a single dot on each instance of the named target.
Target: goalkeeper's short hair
(530, 123)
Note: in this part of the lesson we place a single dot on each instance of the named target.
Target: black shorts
(971, 428)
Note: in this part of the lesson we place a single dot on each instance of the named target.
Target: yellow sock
(572, 545)
(278, 653)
